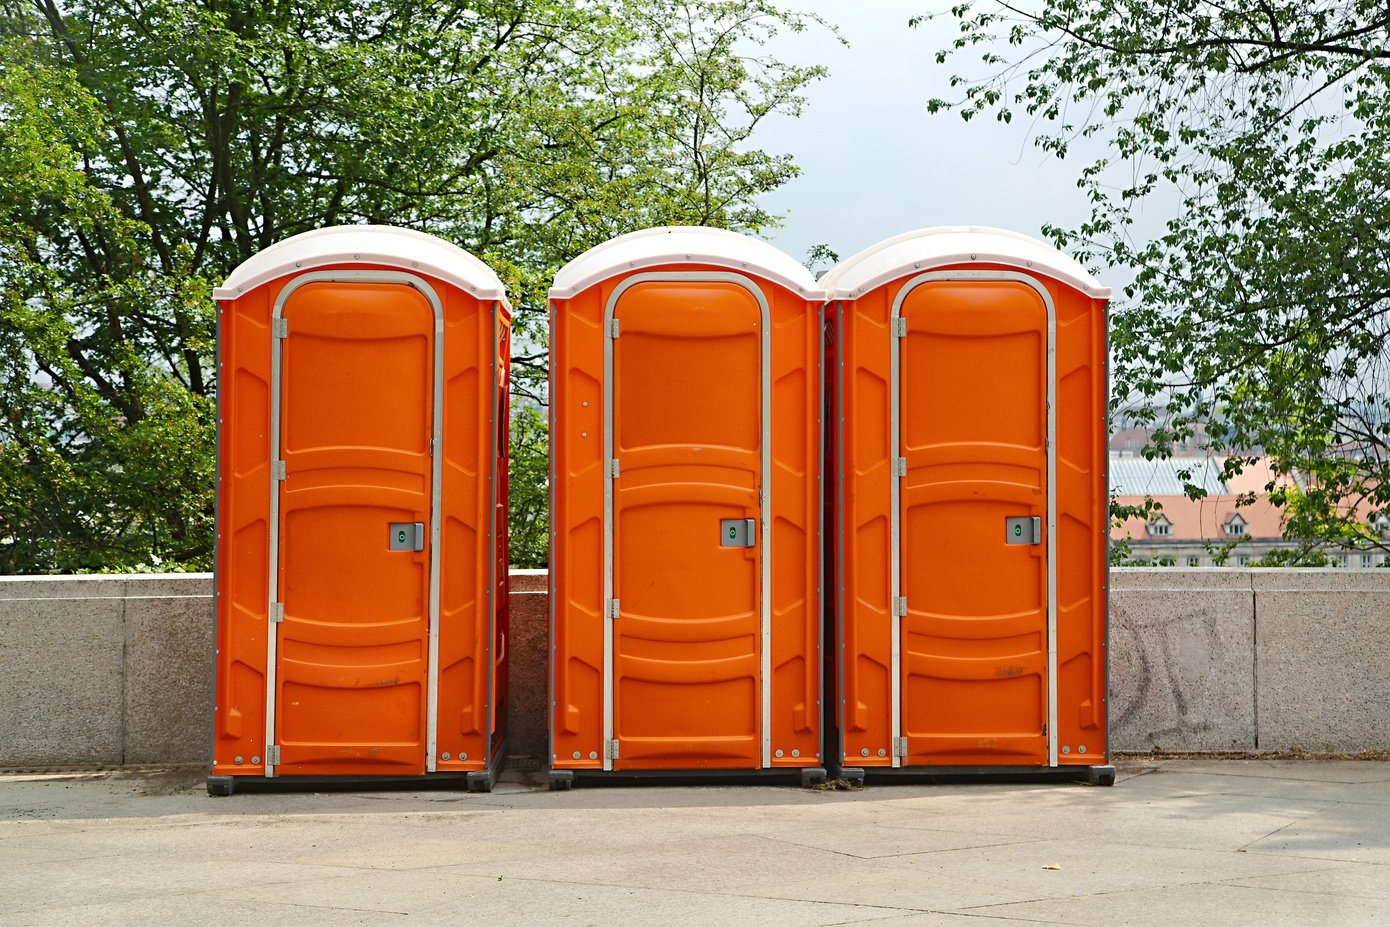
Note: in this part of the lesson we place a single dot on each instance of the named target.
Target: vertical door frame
(436, 468)
(764, 493)
(1050, 446)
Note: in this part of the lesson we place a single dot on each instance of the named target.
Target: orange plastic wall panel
(501, 553)
(357, 394)
(1083, 514)
(243, 534)
(687, 415)
(863, 452)
(468, 562)
(974, 641)
(797, 405)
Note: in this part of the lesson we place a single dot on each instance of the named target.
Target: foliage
(148, 147)
(1262, 308)
(528, 516)
(1148, 509)
(820, 258)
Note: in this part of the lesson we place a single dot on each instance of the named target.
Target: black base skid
(478, 780)
(562, 780)
(943, 775)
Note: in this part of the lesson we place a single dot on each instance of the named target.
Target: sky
(874, 163)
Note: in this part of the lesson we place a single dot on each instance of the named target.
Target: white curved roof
(683, 244)
(923, 249)
(367, 244)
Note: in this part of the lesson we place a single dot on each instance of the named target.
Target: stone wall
(116, 670)
(1232, 659)
(105, 670)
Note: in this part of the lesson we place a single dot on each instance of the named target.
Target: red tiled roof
(1203, 519)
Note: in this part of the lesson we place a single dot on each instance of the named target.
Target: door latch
(738, 532)
(407, 535)
(1023, 529)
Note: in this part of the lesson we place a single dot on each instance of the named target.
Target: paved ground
(1175, 842)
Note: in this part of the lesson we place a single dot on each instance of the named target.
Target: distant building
(1195, 532)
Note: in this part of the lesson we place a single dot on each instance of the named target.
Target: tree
(1260, 310)
(147, 147)
(528, 514)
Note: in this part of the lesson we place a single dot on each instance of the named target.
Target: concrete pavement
(1174, 842)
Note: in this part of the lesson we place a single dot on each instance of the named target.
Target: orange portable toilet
(968, 392)
(686, 509)
(361, 568)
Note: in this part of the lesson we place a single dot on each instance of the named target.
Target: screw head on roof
(357, 257)
(298, 263)
(972, 257)
(1030, 263)
(916, 264)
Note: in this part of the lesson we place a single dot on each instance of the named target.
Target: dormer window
(1237, 526)
(1160, 527)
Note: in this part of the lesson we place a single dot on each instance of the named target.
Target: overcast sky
(874, 163)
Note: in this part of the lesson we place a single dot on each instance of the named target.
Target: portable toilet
(361, 564)
(968, 391)
(685, 488)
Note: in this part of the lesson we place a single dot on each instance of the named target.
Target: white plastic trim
(381, 245)
(929, 249)
(684, 244)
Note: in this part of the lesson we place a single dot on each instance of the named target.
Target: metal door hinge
(900, 746)
(900, 606)
(612, 608)
(277, 612)
(613, 749)
(614, 468)
(272, 755)
(278, 469)
(613, 328)
(900, 466)
(900, 327)
(280, 328)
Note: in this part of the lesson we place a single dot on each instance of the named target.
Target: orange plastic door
(356, 415)
(974, 431)
(687, 438)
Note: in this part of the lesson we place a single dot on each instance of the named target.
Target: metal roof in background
(1135, 476)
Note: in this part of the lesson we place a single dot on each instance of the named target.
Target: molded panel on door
(974, 433)
(687, 432)
(356, 412)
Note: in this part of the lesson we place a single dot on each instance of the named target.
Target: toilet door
(355, 547)
(687, 479)
(973, 598)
